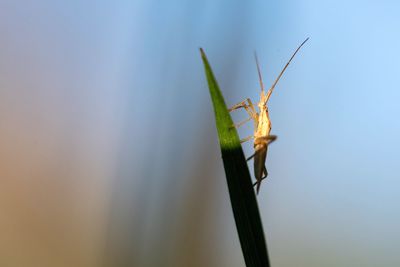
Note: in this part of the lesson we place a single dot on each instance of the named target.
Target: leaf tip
(203, 54)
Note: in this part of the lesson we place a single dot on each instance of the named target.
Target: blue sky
(333, 185)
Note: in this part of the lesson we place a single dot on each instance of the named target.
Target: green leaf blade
(241, 192)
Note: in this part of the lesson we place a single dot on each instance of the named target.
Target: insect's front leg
(249, 107)
(238, 105)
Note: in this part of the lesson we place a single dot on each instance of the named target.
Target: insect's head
(263, 100)
(262, 105)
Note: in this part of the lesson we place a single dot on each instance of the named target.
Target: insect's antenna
(259, 72)
(283, 70)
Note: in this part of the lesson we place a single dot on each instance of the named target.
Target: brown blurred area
(85, 178)
(54, 174)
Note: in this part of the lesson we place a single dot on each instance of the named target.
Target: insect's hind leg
(268, 140)
(265, 172)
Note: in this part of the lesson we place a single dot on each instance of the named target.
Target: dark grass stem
(241, 192)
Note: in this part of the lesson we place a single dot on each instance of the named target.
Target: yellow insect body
(262, 124)
(261, 140)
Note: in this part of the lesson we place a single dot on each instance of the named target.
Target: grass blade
(241, 192)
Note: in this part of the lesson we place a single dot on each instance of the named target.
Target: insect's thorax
(264, 123)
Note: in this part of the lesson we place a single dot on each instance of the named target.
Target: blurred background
(109, 153)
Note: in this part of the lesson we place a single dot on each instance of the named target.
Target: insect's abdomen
(259, 160)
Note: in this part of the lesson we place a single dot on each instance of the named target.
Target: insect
(262, 123)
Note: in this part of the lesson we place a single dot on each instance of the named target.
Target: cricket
(262, 123)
